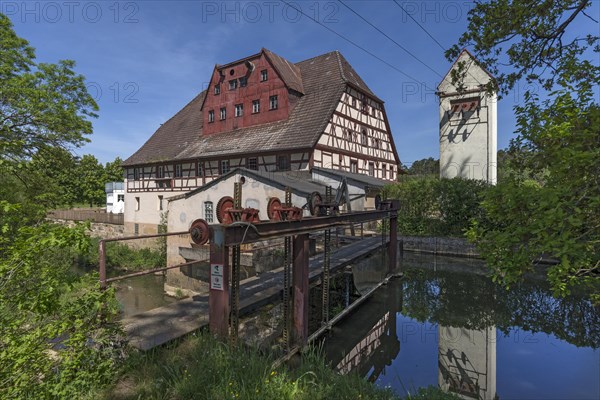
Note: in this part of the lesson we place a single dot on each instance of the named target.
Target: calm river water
(445, 323)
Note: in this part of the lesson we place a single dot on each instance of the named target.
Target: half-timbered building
(267, 114)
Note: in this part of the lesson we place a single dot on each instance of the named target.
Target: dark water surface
(446, 324)
(142, 293)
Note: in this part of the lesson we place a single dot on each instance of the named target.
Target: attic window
(264, 75)
(283, 163)
(178, 171)
(273, 103)
(252, 163)
(160, 172)
(233, 84)
(243, 81)
(217, 89)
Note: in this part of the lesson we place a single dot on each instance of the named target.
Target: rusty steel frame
(245, 233)
(102, 258)
(222, 237)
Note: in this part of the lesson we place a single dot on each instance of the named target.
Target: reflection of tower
(468, 122)
(467, 362)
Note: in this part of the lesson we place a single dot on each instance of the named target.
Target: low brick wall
(90, 214)
(439, 245)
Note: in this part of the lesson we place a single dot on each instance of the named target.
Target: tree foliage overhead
(42, 106)
(549, 203)
(515, 39)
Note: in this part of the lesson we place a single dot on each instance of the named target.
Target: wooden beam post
(218, 298)
(300, 289)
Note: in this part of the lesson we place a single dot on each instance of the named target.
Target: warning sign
(216, 276)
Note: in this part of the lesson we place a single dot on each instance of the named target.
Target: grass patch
(200, 367)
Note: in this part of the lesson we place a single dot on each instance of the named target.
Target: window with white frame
(178, 171)
(264, 75)
(208, 212)
(217, 89)
(255, 106)
(211, 116)
(233, 84)
(223, 113)
(273, 102)
(239, 110)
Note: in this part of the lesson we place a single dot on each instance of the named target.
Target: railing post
(218, 297)
(102, 263)
(393, 246)
(300, 289)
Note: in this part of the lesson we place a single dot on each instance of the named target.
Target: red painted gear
(224, 204)
(199, 231)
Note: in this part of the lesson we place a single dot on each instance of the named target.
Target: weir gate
(229, 297)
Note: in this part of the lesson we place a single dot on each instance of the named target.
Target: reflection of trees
(475, 302)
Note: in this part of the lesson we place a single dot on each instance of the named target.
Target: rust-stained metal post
(393, 246)
(218, 298)
(102, 263)
(300, 289)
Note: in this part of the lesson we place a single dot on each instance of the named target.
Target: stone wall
(438, 245)
(97, 229)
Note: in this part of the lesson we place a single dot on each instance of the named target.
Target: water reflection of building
(373, 339)
(467, 362)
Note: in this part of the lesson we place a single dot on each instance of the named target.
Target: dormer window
(223, 113)
(239, 110)
(217, 89)
(211, 116)
(233, 84)
(243, 81)
(264, 75)
(273, 103)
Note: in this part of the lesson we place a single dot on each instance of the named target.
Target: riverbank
(200, 367)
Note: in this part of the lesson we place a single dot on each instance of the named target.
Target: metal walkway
(164, 324)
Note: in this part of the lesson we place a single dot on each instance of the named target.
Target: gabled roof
(323, 78)
(467, 53)
(289, 73)
(351, 177)
(299, 182)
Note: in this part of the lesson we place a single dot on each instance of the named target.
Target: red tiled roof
(321, 79)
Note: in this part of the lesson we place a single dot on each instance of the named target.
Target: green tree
(42, 106)
(425, 166)
(556, 213)
(92, 178)
(114, 171)
(56, 339)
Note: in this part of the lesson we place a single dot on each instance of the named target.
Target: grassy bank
(202, 368)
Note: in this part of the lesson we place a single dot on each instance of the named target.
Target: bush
(431, 206)
(121, 257)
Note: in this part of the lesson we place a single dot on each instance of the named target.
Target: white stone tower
(468, 122)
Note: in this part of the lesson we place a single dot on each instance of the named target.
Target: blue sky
(144, 60)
